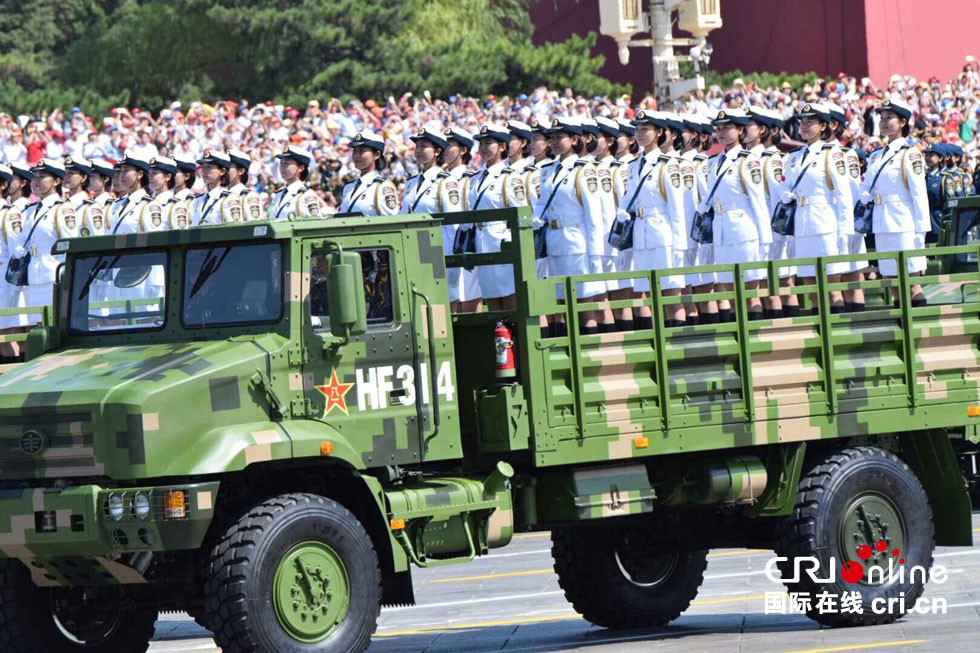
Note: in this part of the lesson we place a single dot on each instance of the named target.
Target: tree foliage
(99, 53)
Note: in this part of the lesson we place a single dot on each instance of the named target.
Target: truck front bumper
(57, 530)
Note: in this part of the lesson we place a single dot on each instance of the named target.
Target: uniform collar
(50, 200)
(496, 168)
(78, 198)
(181, 194)
(834, 141)
(216, 192)
(295, 187)
(136, 195)
(897, 143)
(652, 155)
(163, 195)
(521, 163)
(369, 177)
(734, 152)
(237, 188)
(568, 162)
(689, 154)
(431, 173)
(758, 149)
(815, 147)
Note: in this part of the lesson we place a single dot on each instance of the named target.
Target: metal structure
(625, 19)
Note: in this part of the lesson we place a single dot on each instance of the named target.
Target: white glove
(465, 227)
(865, 197)
(622, 216)
(787, 197)
(538, 223)
(19, 251)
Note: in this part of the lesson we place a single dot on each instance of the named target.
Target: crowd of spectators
(945, 111)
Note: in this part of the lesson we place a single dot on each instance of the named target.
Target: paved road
(511, 601)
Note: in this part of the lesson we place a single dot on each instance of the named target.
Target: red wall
(872, 38)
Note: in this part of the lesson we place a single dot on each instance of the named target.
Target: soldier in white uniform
(496, 186)
(571, 208)
(241, 203)
(89, 214)
(853, 244)
(16, 197)
(127, 215)
(684, 248)
(741, 214)
(370, 193)
(655, 203)
(432, 190)
(294, 200)
(100, 183)
(206, 208)
(816, 178)
(519, 148)
(464, 285)
(184, 180)
(45, 221)
(607, 168)
(895, 185)
(625, 153)
(158, 216)
(8, 353)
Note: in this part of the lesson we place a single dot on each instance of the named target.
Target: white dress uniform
(178, 209)
(437, 191)
(688, 256)
(370, 194)
(824, 211)
(621, 176)
(11, 226)
(206, 208)
(241, 204)
(901, 205)
(773, 175)
(295, 201)
(742, 221)
(45, 222)
(853, 244)
(89, 214)
(532, 188)
(154, 217)
(571, 207)
(464, 285)
(104, 199)
(607, 170)
(655, 179)
(125, 217)
(495, 187)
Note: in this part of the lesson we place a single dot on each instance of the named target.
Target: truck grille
(36, 444)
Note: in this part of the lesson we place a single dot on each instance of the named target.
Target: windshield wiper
(100, 266)
(207, 269)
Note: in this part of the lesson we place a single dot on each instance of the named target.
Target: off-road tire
(239, 604)
(27, 624)
(595, 584)
(813, 529)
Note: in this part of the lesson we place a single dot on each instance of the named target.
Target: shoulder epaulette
(615, 163)
(507, 170)
(581, 162)
(442, 174)
(469, 174)
(767, 153)
(32, 204)
(743, 153)
(700, 157)
(549, 163)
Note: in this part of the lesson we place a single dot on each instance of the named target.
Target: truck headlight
(141, 505)
(115, 507)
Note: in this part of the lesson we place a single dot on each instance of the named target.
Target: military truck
(290, 418)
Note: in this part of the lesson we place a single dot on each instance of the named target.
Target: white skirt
(37, 295)
(495, 280)
(706, 256)
(660, 258)
(897, 243)
(819, 245)
(464, 285)
(560, 266)
(744, 252)
(854, 244)
(11, 296)
(781, 250)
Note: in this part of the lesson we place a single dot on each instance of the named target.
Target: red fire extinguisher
(504, 344)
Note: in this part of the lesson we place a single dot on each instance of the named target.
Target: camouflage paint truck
(273, 432)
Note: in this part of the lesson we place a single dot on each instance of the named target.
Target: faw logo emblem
(32, 441)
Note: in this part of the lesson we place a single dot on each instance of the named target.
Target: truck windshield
(112, 292)
(232, 284)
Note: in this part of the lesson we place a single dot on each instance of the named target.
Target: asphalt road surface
(511, 601)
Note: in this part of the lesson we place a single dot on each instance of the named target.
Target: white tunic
(495, 187)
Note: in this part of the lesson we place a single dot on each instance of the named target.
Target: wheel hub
(311, 591)
(85, 622)
(642, 566)
(870, 518)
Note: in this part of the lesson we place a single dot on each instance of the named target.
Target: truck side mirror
(345, 290)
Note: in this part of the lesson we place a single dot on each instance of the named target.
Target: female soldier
(432, 190)
(496, 186)
(895, 186)
(206, 208)
(88, 213)
(161, 183)
(816, 179)
(571, 207)
(519, 148)
(691, 153)
(684, 248)
(655, 202)
(16, 196)
(294, 199)
(241, 203)
(370, 194)
(464, 285)
(100, 183)
(736, 193)
(46, 221)
(854, 243)
(8, 354)
(625, 153)
(181, 201)
(607, 167)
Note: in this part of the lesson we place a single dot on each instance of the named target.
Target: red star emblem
(335, 393)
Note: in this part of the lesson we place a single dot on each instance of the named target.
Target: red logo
(853, 571)
(336, 393)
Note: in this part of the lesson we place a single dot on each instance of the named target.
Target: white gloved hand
(787, 197)
(19, 251)
(465, 227)
(538, 223)
(622, 216)
(865, 197)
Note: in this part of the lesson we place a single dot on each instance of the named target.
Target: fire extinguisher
(504, 345)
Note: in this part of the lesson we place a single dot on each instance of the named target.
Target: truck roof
(264, 229)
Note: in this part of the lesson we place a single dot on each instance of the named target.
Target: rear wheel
(296, 573)
(59, 619)
(618, 578)
(845, 506)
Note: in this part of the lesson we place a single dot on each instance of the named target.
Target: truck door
(366, 387)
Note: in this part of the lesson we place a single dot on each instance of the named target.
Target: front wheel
(61, 619)
(619, 578)
(295, 573)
